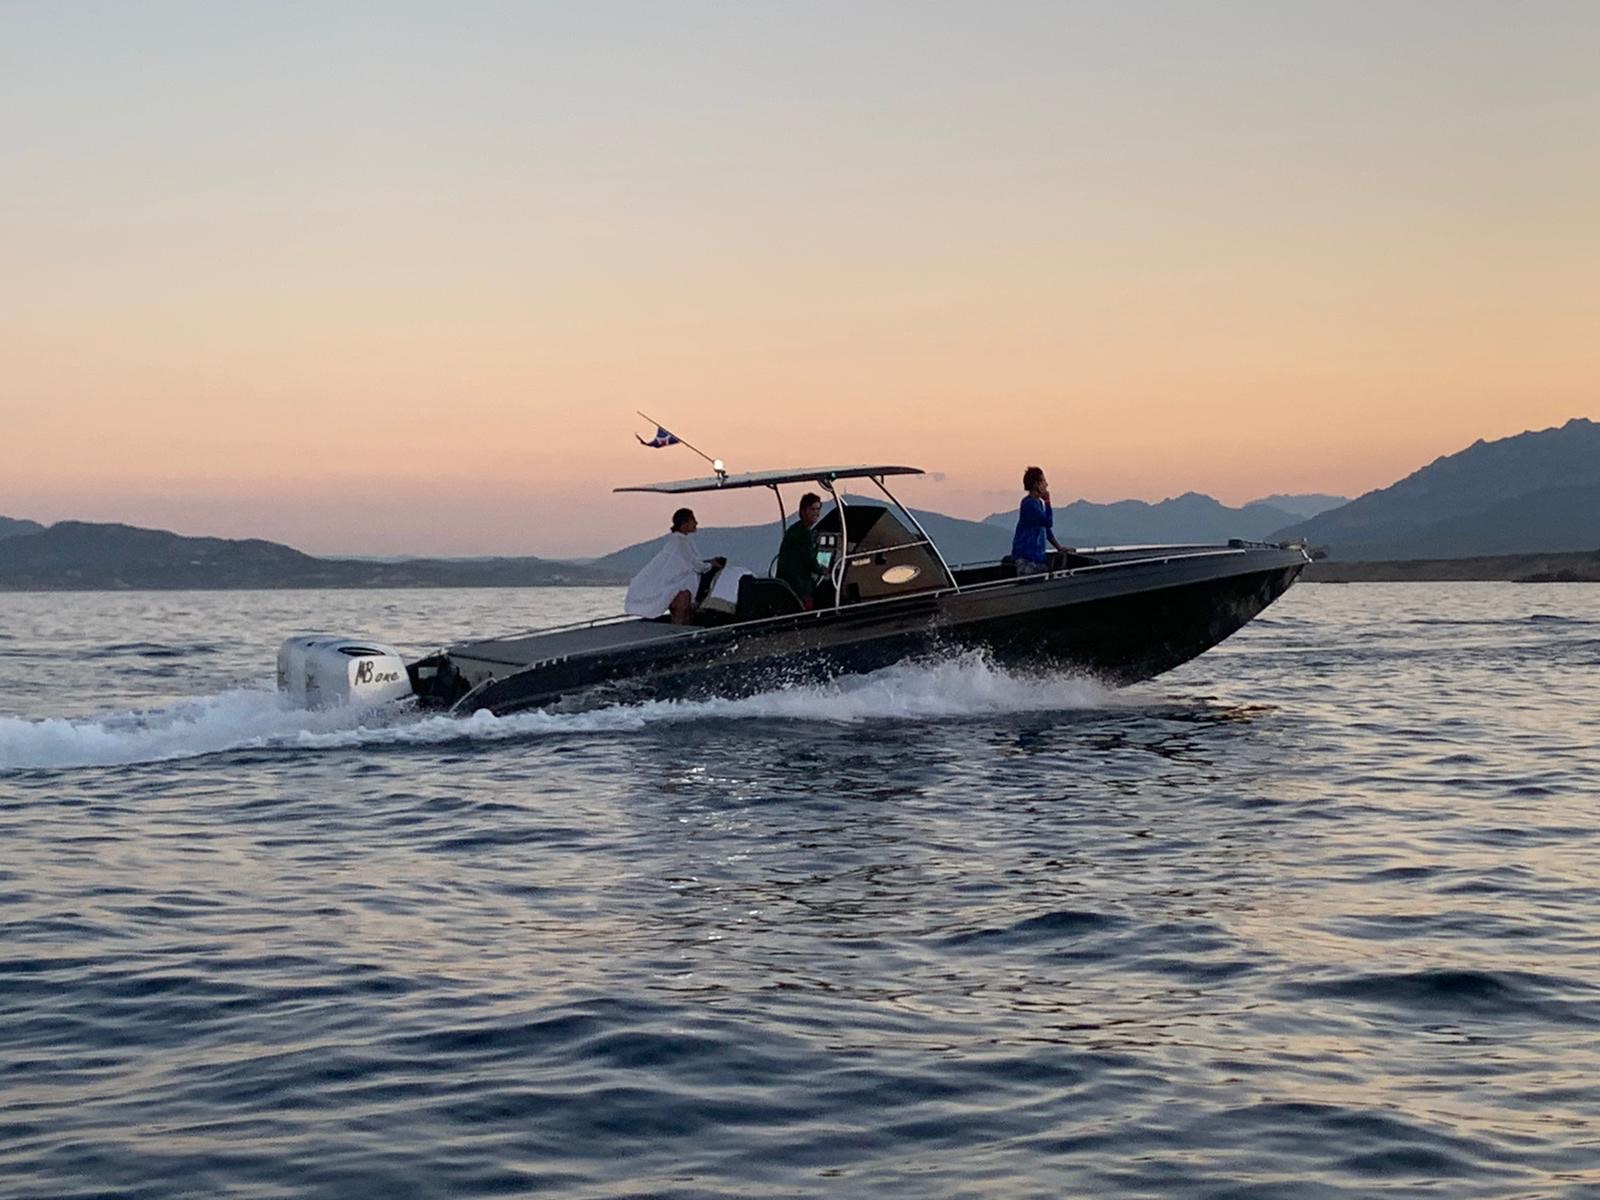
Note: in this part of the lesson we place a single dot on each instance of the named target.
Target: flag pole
(714, 462)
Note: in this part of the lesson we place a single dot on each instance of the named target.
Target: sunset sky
(384, 278)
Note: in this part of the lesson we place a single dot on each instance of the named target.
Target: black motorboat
(1121, 615)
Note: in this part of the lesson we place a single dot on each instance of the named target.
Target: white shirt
(677, 567)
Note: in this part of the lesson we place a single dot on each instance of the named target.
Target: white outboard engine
(319, 671)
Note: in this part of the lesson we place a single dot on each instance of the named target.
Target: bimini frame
(825, 478)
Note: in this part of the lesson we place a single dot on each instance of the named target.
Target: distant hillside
(1191, 517)
(1529, 495)
(80, 555)
(11, 527)
(754, 546)
(1307, 505)
(1537, 492)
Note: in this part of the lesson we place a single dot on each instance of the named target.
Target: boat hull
(1120, 622)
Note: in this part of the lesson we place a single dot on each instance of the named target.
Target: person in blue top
(1035, 524)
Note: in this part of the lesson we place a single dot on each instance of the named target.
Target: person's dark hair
(1030, 477)
(681, 518)
(809, 499)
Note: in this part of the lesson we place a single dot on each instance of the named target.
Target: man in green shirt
(797, 556)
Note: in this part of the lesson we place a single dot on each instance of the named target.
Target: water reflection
(1316, 920)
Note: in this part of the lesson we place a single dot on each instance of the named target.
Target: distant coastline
(75, 557)
(1580, 567)
(387, 584)
(1522, 509)
(325, 574)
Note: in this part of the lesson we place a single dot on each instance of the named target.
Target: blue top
(1034, 521)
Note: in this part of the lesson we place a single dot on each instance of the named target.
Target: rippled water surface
(1316, 915)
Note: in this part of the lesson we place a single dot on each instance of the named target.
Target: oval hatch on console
(904, 573)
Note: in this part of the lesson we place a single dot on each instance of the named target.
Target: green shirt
(797, 560)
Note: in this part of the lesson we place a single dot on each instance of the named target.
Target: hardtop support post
(783, 528)
(842, 563)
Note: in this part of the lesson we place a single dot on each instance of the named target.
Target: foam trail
(961, 687)
(968, 685)
(204, 725)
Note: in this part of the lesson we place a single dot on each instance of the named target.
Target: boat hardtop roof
(722, 483)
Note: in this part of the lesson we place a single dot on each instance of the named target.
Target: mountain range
(10, 527)
(80, 555)
(1191, 517)
(1307, 505)
(1534, 493)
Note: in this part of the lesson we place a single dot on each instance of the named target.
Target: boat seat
(761, 597)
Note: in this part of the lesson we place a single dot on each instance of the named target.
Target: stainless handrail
(1220, 552)
(840, 564)
(887, 549)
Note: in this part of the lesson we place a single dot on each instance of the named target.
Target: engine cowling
(322, 671)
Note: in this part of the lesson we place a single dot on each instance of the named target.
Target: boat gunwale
(661, 634)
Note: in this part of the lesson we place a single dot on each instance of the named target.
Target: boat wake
(251, 719)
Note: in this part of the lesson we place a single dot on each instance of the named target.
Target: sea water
(1315, 915)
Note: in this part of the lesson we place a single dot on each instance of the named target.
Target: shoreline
(1581, 567)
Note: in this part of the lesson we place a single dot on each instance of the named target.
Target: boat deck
(525, 649)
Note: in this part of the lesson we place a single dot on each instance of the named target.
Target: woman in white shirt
(669, 581)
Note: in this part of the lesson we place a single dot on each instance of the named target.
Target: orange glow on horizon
(1234, 252)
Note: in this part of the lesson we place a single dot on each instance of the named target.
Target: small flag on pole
(662, 438)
